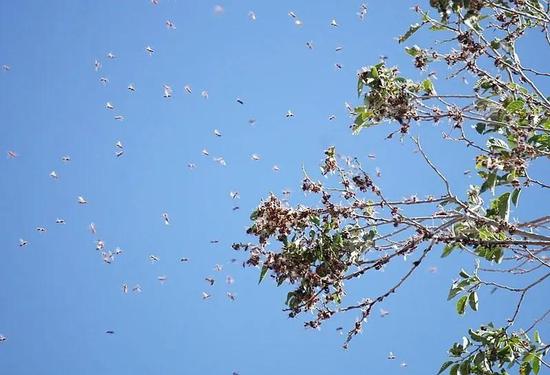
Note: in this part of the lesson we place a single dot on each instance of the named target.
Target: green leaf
(360, 84)
(412, 29)
(515, 196)
(480, 127)
(263, 272)
(445, 366)
(536, 364)
(359, 121)
(497, 144)
(500, 207)
(315, 220)
(254, 215)
(370, 235)
(453, 292)
(456, 288)
(465, 368)
(525, 368)
(289, 296)
(489, 183)
(479, 358)
(498, 255)
(529, 357)
(284, 240)
(461, 305)
(540, 140)
(464, 274)
(504, 206)
(428, 87)
(374, 72)
(454, 369)
(338, 240)
(506, 354)
(473, 300)
(515, 106)
(472, 20)
(536, 337)
(447, 250)
(456, 350)
(413, 51)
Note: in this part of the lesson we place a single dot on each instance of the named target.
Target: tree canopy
(356, 230)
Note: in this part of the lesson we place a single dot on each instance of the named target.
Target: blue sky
(58, 297)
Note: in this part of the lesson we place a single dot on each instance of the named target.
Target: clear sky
(57, 296)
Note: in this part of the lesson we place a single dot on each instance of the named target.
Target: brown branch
(417, 142)
(368, 304)
(537, 321)
(522, 296)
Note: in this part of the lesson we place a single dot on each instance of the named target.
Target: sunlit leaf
(536, 337)
(428, 87)
(497, 144)
(515, 106)
(461, 305)
(480, 127)
(515, 196)
(536, 364)
(454, 292)
(412, 29)
(489, 183)
(455, 370)
(464, 274)
(447, 250)
(263, 272)
(413, 51)
(500, 206)
(445, 366)
(525, 368)
(473, 300)
(465, 368)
